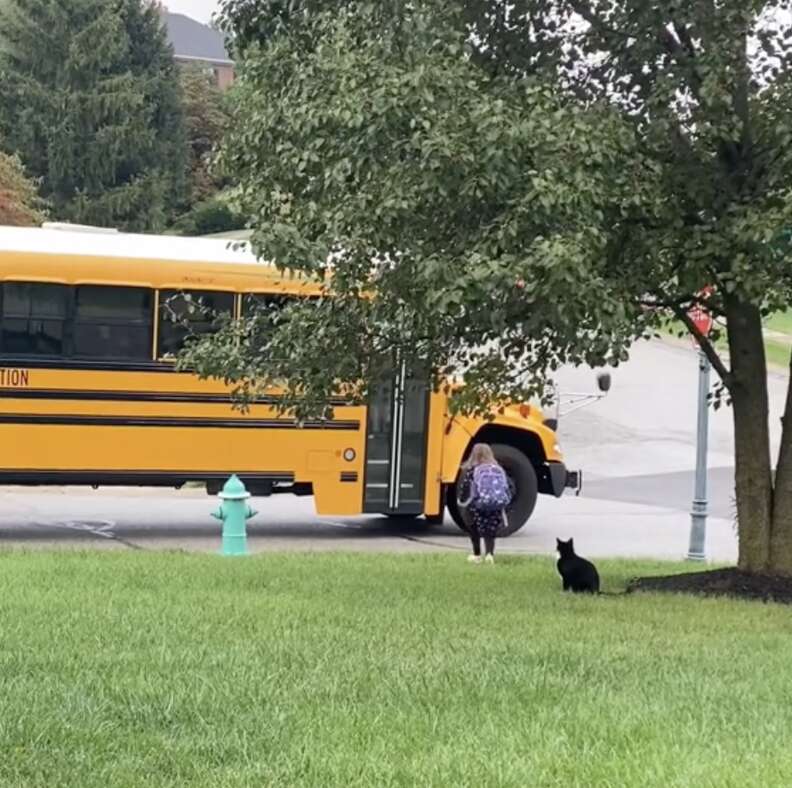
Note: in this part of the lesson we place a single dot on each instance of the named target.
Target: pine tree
(90, 101)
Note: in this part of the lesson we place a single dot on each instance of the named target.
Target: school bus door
(396, 439)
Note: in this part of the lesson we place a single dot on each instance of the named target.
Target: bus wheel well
(524, 481)
(527, 442)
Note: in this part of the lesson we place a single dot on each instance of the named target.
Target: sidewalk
(608, 528)
(181, 521)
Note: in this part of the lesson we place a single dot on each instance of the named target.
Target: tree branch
(742, 98)
(706, 346)
(684, 303)
(682, 54)
(583, 9)
(682, 49)
(659, 303)
(683, 34)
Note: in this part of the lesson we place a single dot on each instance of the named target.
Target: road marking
(97, 528)
(336, 524)
(103, 528)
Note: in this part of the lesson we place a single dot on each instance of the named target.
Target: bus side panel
(454, 446)
(435, 438)
(338, 482)
(102, 424)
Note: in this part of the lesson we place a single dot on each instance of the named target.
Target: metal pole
(698, 514)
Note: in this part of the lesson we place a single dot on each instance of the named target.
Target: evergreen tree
(90, 101)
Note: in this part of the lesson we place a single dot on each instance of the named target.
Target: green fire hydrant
(233, 512)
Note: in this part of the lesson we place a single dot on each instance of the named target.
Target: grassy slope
(777, 353)
(780, 321)
(777, 350)
(340, 670)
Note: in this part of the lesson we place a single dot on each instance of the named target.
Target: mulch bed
(720, 582)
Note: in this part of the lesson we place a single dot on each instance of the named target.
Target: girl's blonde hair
(481, 455)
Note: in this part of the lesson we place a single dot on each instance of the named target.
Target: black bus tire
(458, 515)
(521, 471)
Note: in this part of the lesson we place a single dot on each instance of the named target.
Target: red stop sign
(700, 316)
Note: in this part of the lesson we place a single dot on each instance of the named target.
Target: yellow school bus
(89, 394)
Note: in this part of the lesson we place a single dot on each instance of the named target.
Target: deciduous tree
(19, 201)
(206, 112)
(520, 186)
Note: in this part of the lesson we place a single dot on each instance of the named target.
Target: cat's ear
(558, 542)
(571, 543)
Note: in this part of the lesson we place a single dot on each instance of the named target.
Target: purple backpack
(490, 488)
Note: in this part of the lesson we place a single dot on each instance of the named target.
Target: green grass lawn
(127, 669)
(777, 351)
(780, 321)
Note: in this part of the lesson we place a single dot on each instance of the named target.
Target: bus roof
(73, 240)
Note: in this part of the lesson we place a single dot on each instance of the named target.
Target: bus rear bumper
(562, 479)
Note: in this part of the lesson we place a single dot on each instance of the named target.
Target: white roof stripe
(84, 243)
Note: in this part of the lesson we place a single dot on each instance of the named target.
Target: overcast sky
(201, 10)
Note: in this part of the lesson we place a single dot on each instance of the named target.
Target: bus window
(34, 318)
(188, 313)
(113, 322)
(264, 303)
(270, 303)
(266, 307)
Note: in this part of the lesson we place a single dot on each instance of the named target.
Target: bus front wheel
(521, 472)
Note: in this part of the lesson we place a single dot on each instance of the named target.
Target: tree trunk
(753, 476)
(781, 531)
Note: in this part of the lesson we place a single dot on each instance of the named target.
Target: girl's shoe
(474, 559)
(489, 558)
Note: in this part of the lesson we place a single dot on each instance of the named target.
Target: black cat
(577, 574)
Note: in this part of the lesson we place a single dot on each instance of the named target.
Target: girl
(486, 492)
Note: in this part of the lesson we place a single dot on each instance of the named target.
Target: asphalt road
(636, 447)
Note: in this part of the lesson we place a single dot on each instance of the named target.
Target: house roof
(193, 41)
